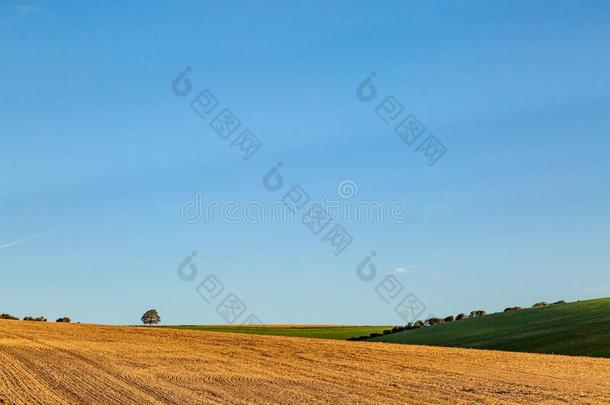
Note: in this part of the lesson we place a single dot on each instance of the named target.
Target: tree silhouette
(151, 317)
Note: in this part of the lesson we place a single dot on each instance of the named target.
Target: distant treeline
(64, 319)
(438, 321)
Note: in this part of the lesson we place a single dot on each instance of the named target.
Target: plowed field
(68, 363)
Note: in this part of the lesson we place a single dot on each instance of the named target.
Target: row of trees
(37, 319)
(422, 324)
(150, 317)
(438, 321)
(31, 318)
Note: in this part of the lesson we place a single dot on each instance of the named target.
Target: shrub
(477, 313)
(558, 302)
(540, 304)
(461, 316)
(434, 321)
(512, 309)
(374, 335)
(356, 339)
(7, 316)
(397, 329)
(37, 319)
(418, 324)
(387, 331)
(65, 319)
(449, 319)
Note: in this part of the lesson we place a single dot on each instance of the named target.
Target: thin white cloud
(29, 9)
(18, 242)
(423, 270)
(402, 270)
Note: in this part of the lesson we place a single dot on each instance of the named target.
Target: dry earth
(61, 363)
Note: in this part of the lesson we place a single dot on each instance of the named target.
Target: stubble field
(67, 363)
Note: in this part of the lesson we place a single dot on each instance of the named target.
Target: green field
(580, 328)
(308, 331)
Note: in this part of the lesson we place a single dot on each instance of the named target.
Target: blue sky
(99, 156)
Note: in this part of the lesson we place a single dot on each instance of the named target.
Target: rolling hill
(60, 363)
(308, 331)
(580, 328)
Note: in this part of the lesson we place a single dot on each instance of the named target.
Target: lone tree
(151, 317)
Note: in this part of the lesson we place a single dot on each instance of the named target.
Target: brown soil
(68, 363)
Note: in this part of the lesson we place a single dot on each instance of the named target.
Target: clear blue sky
(98, 155)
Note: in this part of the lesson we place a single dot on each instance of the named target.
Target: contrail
(18, 242)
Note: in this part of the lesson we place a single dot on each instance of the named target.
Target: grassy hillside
(579, 328)
(309, 331)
